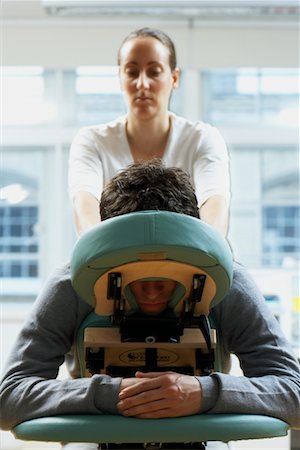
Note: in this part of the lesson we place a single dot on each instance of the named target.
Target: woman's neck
(147, 139)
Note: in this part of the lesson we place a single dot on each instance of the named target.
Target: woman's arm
(85, 211)
(85, 180)
(215, 212)
(211, 178)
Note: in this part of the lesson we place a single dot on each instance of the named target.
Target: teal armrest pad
(117, 429)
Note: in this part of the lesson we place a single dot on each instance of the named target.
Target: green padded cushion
(121, 239)
(116, 429)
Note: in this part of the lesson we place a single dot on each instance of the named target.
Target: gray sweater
(246, 327)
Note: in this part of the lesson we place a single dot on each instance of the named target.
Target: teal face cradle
(147, 238)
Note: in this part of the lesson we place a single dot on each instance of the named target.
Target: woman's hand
(160, 394)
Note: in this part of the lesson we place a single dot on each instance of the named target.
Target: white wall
(69, 43)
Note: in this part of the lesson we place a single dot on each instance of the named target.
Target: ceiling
(283, 10)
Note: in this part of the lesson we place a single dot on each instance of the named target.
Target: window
(251, 97)
(281, 239)
(265, 206)
(95, 96)
(36, 232)
(280, 207)
(27, 97)
(19, 219)
(45, 107)
(17, 237)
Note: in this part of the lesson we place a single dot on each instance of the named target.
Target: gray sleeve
(271, 381)
(29, 387)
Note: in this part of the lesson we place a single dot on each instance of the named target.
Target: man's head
(149, 186)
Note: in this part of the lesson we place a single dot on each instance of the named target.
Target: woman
(148, 75)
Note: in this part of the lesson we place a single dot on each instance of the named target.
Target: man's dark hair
(149, 185)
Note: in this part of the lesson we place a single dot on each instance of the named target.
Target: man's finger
(144, 386)
(151, 374)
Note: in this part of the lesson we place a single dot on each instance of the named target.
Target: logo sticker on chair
(137, 356)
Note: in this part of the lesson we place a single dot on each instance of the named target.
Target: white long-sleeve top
(99, 152)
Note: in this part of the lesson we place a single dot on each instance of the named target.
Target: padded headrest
(147, 245)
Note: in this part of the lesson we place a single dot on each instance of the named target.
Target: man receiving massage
(271, 381)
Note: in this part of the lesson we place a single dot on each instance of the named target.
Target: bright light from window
(97, 70)
(247, 84)
(97, 80)
(252, 96)
(24, 86)
(268, 85)
(13, 194)
(24, 97)
(21, 71)
(101, 85)
(289, 117)
(279, 85)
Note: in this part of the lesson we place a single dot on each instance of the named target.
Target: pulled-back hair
(156, 34)
(149, 185)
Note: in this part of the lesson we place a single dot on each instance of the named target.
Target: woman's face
(146, 77)
(153, 296)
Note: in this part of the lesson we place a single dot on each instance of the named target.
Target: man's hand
(156, 395)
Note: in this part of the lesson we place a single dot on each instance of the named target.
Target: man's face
(153, 296)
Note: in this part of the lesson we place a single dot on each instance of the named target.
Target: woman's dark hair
(149, 185)
(156, 34)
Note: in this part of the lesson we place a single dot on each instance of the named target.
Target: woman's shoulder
(112, 128)
(192, 126)
(197, 131)
(96, 137)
